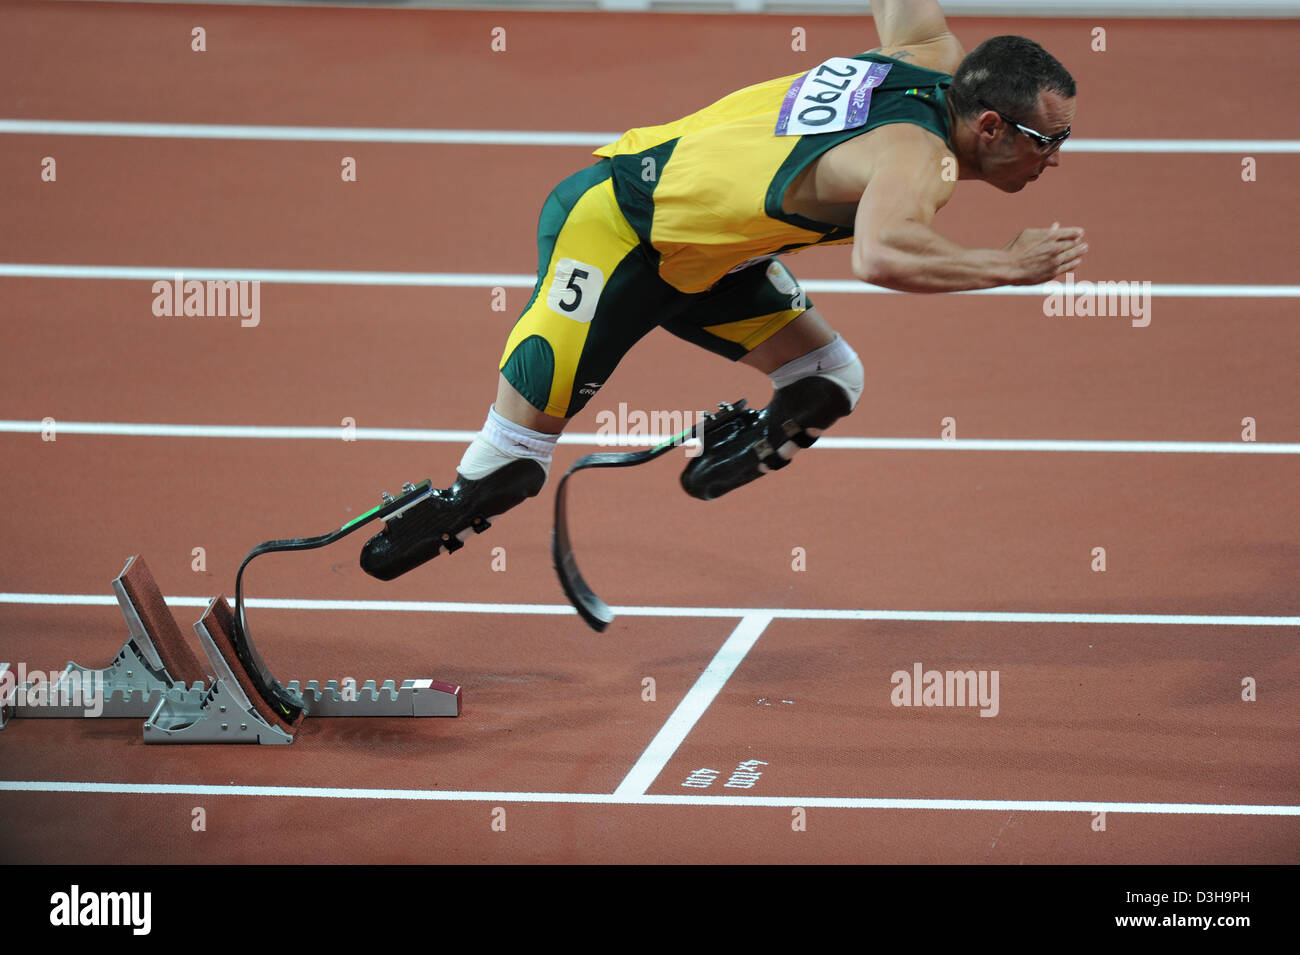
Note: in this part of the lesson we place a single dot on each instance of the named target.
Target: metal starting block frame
(138, 685)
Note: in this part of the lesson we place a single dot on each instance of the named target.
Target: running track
(1120, 691)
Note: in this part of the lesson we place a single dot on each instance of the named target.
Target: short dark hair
(1008, 72)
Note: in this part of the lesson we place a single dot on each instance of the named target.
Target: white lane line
(167, 273)
(588, 439)
(685, 799)
(319, 134)
(518, 137)
(784, 613)
(273, 432)
(149, 273)
(674, 732)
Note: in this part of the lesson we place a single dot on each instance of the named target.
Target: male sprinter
(679, 225)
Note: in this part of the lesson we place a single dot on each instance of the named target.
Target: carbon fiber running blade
(285, 702)
(281, 699)
(590, 607)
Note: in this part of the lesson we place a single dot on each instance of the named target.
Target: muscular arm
(894, 245)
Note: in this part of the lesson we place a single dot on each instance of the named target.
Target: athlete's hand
(1043, 254)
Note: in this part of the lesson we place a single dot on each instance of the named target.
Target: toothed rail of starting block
(66, 696)
(153, 665)
(230, 711)
(216, 703)
(412, 698)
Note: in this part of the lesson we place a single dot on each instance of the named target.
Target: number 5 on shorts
(576, 290)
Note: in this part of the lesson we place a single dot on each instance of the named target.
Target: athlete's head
(1014, 103)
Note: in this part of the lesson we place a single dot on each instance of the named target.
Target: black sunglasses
(1039, 140)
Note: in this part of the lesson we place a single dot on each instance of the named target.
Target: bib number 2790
(830, 98)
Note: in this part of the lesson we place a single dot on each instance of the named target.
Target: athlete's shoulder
(895, 144)
(942, 54)
(896, 154)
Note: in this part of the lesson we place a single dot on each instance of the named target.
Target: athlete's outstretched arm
(894, 245)
(909, 22)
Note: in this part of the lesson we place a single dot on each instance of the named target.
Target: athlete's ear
(987, 125)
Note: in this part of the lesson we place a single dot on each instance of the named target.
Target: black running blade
(285, 702)
(590, 607)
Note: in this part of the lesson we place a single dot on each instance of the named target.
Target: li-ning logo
(102, 908)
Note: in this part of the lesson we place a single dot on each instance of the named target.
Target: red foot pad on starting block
(219, 621)
(225, 695)
(147, 601)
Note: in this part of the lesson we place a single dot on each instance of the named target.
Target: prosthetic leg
(444, 519)
(756, 442)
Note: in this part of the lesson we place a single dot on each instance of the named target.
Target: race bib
(830, 98)
(575, 290)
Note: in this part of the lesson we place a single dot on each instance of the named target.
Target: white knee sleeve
(836, 361)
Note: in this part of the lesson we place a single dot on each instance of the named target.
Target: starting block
(158, 678)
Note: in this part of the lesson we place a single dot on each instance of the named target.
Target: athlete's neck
(956, 137)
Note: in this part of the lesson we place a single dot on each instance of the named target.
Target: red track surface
(1089, 712)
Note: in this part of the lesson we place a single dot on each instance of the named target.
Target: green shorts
(599, 292)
